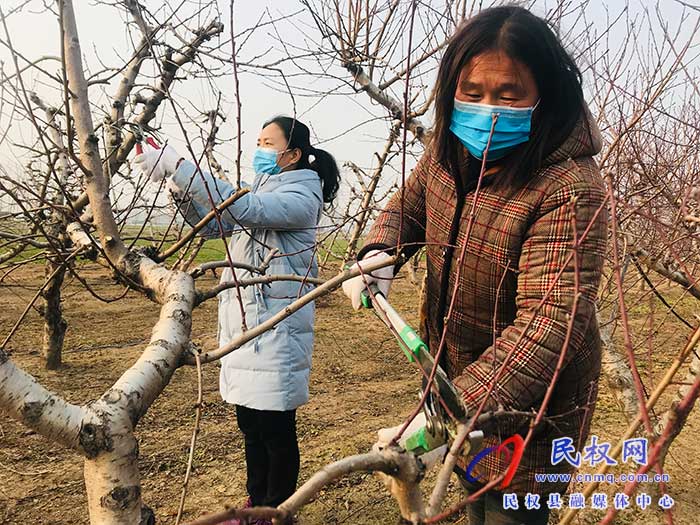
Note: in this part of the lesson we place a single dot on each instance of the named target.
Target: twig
(201, 224)
(238, 101)
(193, 442)
(632, 428)
(319, 291)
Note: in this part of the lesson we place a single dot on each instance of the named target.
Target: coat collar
(286, 177)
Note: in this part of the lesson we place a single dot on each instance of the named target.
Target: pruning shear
(437, 422)
(150, 141)
(139, 133)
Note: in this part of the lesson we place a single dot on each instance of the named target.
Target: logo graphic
(513, 457)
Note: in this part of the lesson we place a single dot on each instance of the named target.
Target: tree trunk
(617, 373)
(112, 478)
(672, 416)
(103, 431)
(54, 323)
(364, 212)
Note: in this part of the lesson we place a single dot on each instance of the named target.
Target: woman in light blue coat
(267, 378)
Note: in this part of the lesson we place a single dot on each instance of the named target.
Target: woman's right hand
(382, 277)
(157, 163)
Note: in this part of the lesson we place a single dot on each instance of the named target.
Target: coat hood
(584, 140)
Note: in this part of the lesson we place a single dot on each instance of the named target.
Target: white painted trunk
(111, 473)
(112, 478)
(78, 236)
(24, 399)
(103, 431)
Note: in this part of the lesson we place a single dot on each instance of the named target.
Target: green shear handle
(415, 349)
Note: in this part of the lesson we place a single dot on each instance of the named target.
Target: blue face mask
(265, 161)
(471, 123)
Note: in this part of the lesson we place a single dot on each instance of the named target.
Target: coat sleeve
(293, 206)
(536, 337)
(389, 230)
(193, 213)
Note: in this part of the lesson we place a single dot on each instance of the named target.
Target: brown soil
(360, 382)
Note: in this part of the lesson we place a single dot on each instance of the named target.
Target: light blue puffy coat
(281, 211)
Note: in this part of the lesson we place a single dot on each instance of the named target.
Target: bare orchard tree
(641, 78)
(75, 195)
(367, 39)
(70, 212)
(64, 210)
(647, 108)
(49, 199)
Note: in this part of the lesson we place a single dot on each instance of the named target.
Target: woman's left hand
(382, 277)
(157, 163)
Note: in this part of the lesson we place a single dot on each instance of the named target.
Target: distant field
(212, 250)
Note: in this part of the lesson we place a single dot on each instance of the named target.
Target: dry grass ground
(360, 383)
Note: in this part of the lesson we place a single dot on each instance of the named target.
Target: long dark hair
(298, 137)
(528, 39)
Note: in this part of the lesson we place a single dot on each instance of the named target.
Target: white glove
(177, 193)
(157, 163)
(385, 435)
(382, 277)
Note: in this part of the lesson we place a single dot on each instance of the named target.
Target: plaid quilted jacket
(515, 292)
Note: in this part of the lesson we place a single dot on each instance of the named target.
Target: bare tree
(76, 194)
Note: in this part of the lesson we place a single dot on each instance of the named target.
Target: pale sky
(35, 34)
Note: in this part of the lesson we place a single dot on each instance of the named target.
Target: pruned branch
(395, 108)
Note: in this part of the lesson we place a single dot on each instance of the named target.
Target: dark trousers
(271, 454)
(488, 509)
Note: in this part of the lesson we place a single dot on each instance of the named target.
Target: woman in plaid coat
(511, 208)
